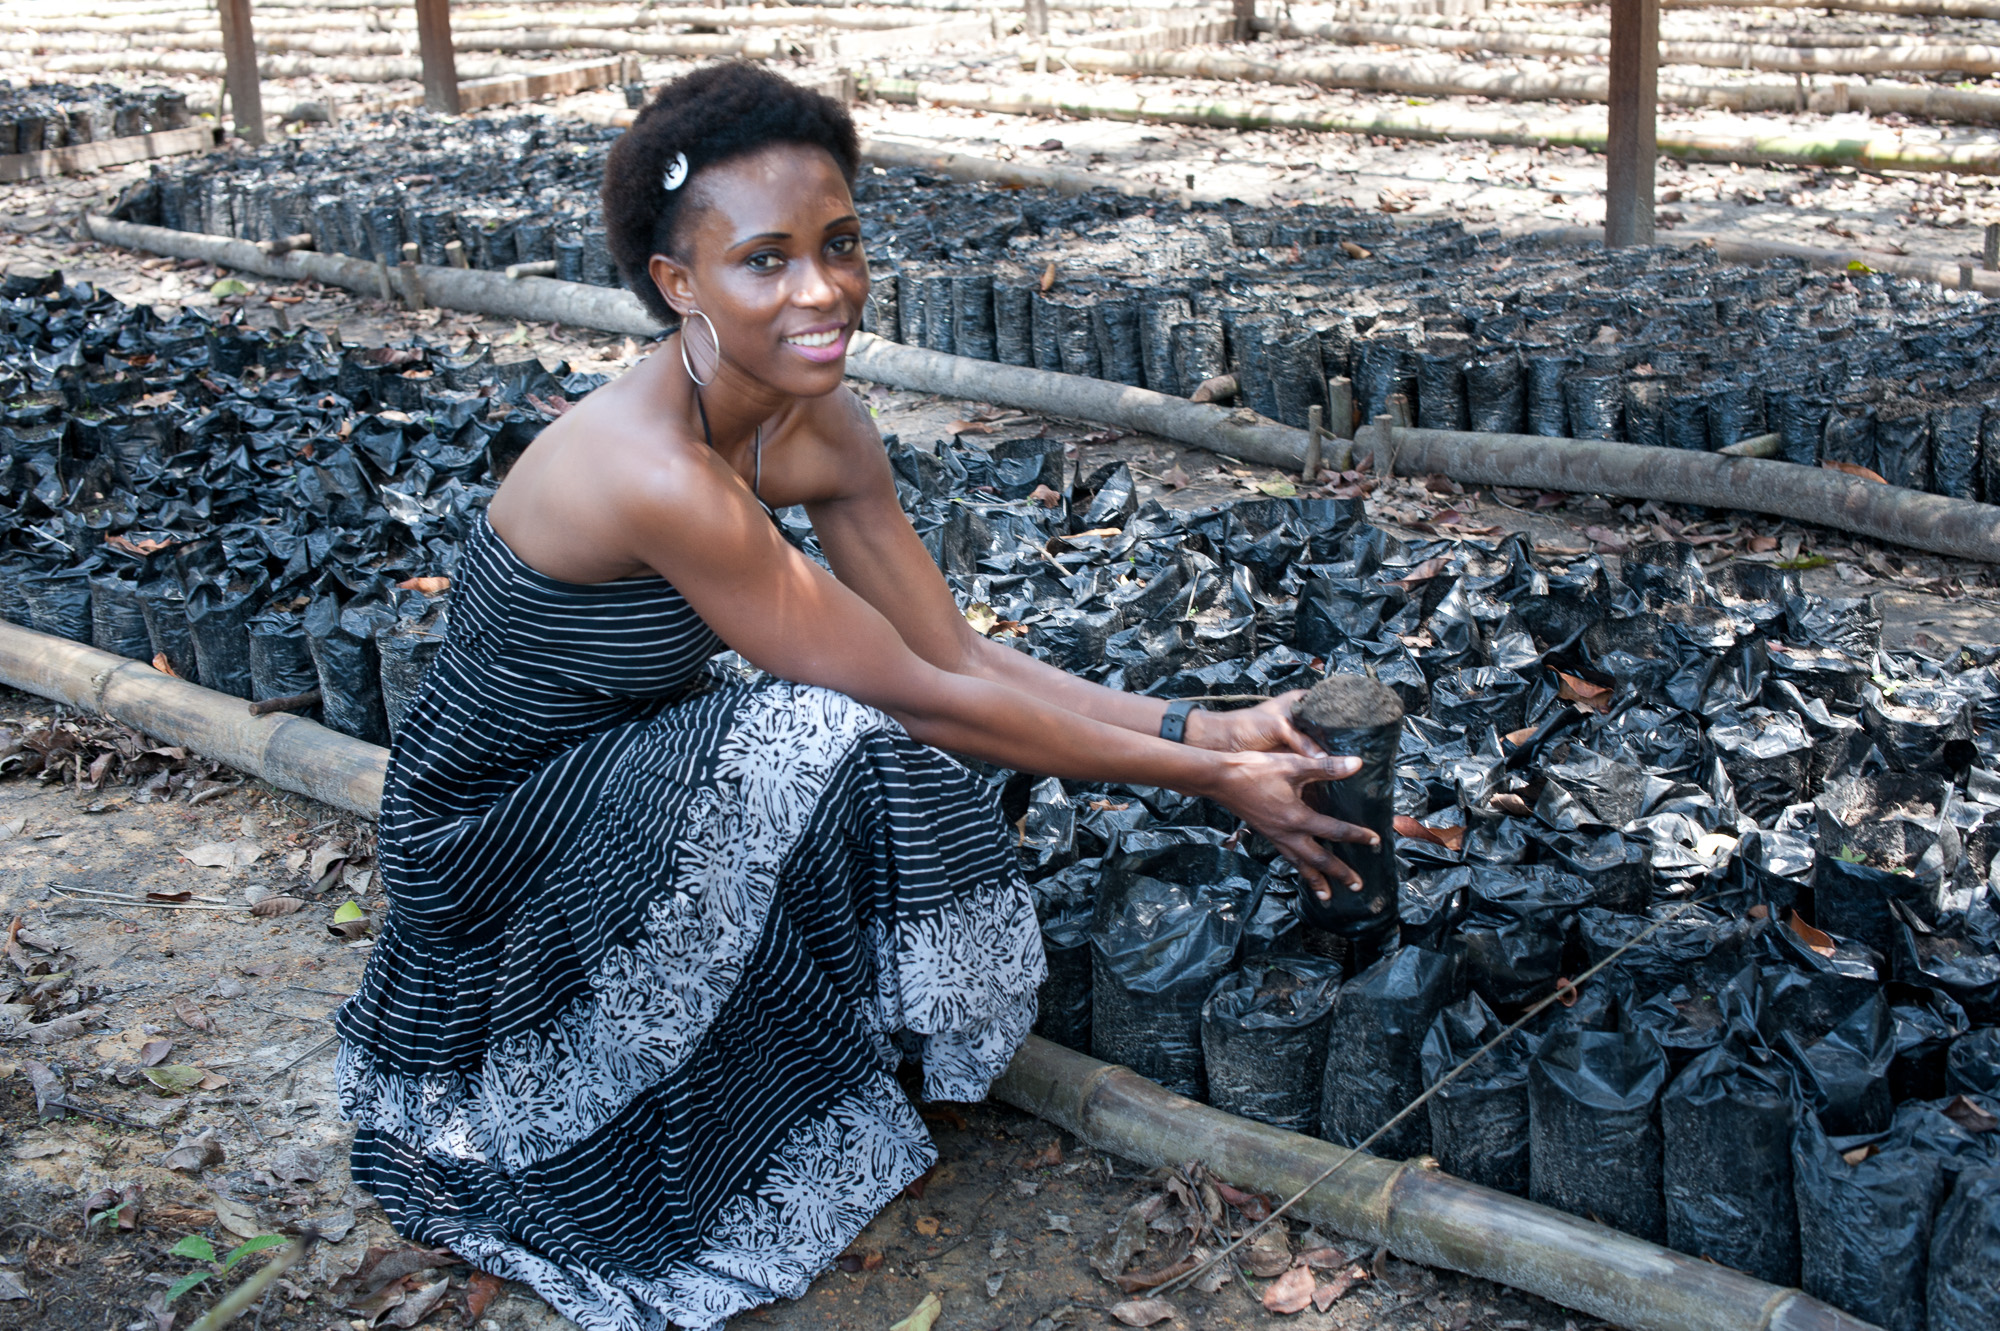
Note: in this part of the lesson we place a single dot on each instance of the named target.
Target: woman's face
(772, 255)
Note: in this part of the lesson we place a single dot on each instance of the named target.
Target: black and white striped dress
(658, 938)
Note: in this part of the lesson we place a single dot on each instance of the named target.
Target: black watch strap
(1173, 725)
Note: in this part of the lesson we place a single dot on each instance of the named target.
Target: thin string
(757, 466)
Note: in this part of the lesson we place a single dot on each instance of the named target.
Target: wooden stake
(1991, 254)
(440, 64)
(1310, 472)
(1246, 18)
(239, 56)
(1036, 20)
(1340, 407)
(1630, 144)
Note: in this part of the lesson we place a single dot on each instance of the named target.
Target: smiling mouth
(826, 339)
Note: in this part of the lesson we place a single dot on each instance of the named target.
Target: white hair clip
(677, 173)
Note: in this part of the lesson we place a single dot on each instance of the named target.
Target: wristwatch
(1173, 725)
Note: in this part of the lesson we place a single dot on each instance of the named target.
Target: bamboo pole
(201, 64)
(1942, 525)
(1831, 499)
(1970, 59)
(1451, 78)
(1878, 152)
(287, 751)
(1418, 1213)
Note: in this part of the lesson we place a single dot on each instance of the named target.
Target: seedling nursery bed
(1796, 1074)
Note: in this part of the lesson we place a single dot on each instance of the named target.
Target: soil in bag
(59, 603)
(1881, 839)
(1972, 1067)
(1962, 1290)
(1517, 932)
(1496, 395)
(117, 620)
(1921, 729)
(1155, 958)
(342, 642)
(1441, 387)
(1479, 1121)
(1844, 1075)
(1865, 1208)
(1374, 1063)
(1064, 998)
(1726, 1126)
(281, 664)
(1594, 1144)
(1594, 402)
(1199, 351)
(406, 650)
(167, 631)
(1352, 715)
(1903, 444)
(972, 314)
(217, 614)
(1013, 321)
(1263, 1039)
(1768, 757)
(1548, 414)
(1955, 450)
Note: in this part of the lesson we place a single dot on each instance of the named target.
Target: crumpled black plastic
(1479, 1120)
(1264, 1039)
(1373, 1063)
(1594, 1128)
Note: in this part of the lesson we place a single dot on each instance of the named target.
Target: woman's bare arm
(692, 519)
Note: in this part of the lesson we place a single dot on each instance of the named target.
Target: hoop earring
(687, 364)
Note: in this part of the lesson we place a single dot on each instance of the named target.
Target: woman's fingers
(1319, 867)
(1289, 736)
(1332, 829)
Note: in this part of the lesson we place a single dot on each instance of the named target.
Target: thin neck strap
(757, 453)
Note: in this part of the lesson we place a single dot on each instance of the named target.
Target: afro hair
(714, 115)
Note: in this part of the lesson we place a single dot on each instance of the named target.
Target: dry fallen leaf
(923, 1317)
(1175, 479)
(927, 1225)
(1144, 1312)
(1354, 251)
(1966, 1112)
(1451, 838)
(237, 854)
(270, 906)
(1046, 497)
(237, 1218)
(1049, 273)
(1591, 697)
(1290, 1292)
(1821, 943)
(1269, 1254)
(480, 1290)
(1853, 469)
(1324, 1296)
(191, 1014)
(191, 1155)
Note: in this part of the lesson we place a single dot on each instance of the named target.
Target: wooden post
(1630, 146)
(1036, 21)
(239, 58)
(1245, 14)
(440, 65)
(1990, 252)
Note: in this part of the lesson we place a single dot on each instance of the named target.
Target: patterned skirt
(660, 1088)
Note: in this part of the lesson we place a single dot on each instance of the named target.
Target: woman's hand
(1266, 790)
(1265, 728)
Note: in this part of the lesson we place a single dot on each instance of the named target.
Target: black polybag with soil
(1594, 1129)
(1479, 1120)
(1726, 1130)
(1374, 1063)
(1264, 1038)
